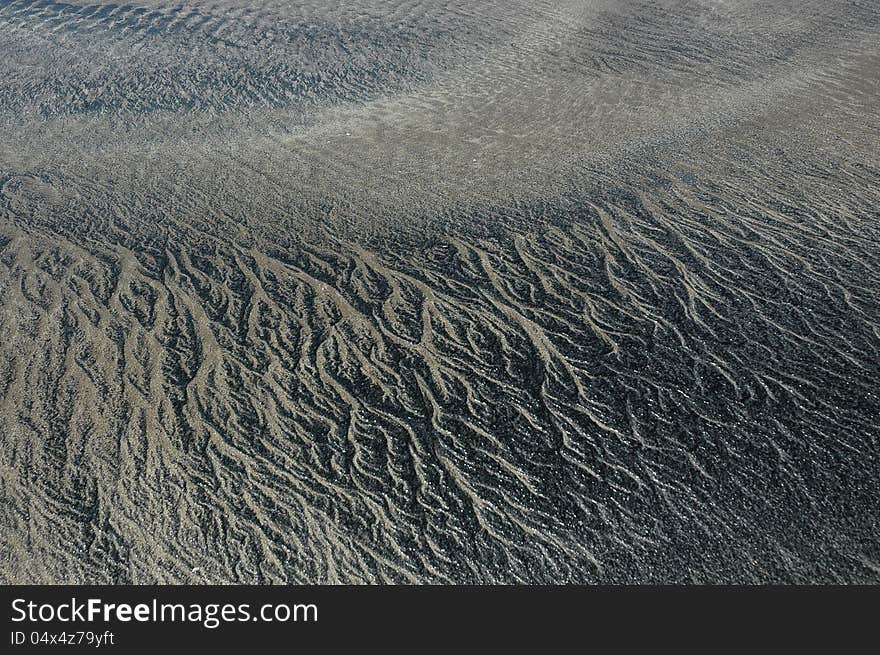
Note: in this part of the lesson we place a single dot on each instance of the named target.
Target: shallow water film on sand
(399, 291)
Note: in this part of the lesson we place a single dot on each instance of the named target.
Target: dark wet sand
(395, 291)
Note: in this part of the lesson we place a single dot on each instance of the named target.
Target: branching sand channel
(470, 291)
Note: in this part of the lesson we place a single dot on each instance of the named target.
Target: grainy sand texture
(447, 291)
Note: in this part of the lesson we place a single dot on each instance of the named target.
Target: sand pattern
(399, 291)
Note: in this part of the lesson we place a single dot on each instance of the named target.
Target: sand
(407, 292)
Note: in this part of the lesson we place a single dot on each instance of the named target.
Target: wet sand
(401, 292)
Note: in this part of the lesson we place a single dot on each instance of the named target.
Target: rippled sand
(423, 291)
